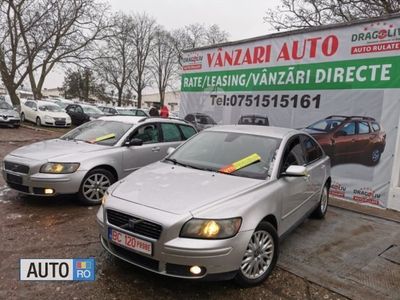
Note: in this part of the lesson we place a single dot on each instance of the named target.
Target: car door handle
(155, 149)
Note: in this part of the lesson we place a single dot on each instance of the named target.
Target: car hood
(8, 112)
(315, 132)
(53, 149)
(57, 114)
(180, 190)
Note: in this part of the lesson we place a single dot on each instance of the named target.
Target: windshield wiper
(175, 162)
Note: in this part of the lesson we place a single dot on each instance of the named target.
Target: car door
(135, 157)
(315, 169)
(295, 190)
(171, 137)
(363, 136)
(70, 109)
(80, 115)
(33, 111)
(26, 109)
(344, 140)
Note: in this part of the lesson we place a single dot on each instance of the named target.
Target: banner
(341, 85)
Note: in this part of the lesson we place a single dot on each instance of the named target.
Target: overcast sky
(240, 18)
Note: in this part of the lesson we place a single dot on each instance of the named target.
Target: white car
(44, 113)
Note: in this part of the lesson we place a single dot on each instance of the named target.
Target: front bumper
(10, 120)
(55, 123)
(173, 256)
(33, 182)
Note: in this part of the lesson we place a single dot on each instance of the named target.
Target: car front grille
(134, 224)
(59, 123)
(16, 167)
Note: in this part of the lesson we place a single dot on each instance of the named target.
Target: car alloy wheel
(322, 207)
(324, 200)
(22, 117)
(258, 256)
(38, 122)
(375, 156)
(94, 186)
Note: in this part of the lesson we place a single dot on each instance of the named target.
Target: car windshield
(326, 125)
(49, 107)
(219, 151)
(204, 119)
(98, 132)
(92, 110)
(125, 112)
(62, 104)
(5, 105)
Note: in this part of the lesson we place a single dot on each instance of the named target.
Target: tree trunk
(119, 97)
(162, 97)
(139, 99)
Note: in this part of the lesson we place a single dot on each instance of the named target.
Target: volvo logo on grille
(133, 222)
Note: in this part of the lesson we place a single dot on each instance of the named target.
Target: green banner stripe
(373, 73)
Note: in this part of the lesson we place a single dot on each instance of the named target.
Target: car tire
(264, 257)
(22, 117)
(321, 209)
(38, 122)
(94, 185)
(374, 156)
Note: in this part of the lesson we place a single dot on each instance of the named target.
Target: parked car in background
(123, 111)
(200, 121)
(254, 120)
(44, 113)
(88, 159)
(350, 138)
(217, 206)
(82, 113)
(8, 115)
(63, 103)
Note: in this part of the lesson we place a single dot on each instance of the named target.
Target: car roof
(269, 131)
(41, 102)
(124, 119)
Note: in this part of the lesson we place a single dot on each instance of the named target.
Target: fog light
(48, 191)
(196, 270)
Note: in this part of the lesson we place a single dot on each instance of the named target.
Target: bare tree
(13, 58)
(116, 59)
(296, 14)
(142, 36)
(163, 61)
(197, 35)
(38, 34)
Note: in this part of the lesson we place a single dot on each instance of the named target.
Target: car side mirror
(134, 142)
(296, 171)
(170, 150)
(340, 133)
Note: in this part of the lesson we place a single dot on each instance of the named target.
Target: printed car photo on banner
(339, 83)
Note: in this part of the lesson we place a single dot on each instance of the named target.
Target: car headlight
(59, 168)
(104, 198)
(211, 229)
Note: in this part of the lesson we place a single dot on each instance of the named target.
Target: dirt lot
(61, 228)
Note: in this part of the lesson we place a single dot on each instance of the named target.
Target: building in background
(172, 100)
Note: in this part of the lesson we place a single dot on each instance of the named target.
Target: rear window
(376, 127)
(187, 131)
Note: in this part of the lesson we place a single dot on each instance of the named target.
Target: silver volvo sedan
(218, 205)
(90, 158)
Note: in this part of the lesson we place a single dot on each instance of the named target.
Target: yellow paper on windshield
(244, 162)
(103, 138)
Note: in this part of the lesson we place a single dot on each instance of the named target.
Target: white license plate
(129, 241)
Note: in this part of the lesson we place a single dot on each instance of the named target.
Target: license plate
(130, 242)
(14, 178)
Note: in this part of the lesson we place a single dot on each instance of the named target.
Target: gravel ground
(60, 228)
